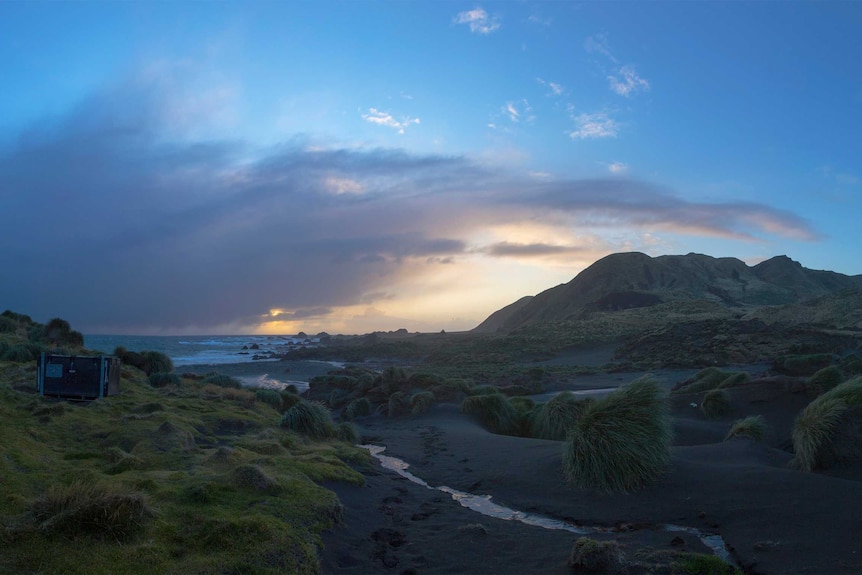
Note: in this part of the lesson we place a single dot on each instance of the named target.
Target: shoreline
(280, 371)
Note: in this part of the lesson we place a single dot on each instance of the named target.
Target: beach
(770, 518)
(773, 519)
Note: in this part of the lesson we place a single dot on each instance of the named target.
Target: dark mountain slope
(631, 280)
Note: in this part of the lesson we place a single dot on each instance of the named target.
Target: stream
(483, 504)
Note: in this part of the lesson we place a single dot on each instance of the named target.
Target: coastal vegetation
(554, 419)
(622, 441)
(828, 429)
(715, 403)
(712, 378)
(753, 427)
(493, 411)
(181, 477)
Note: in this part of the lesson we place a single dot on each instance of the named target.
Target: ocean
(226, 354)
(203, 350)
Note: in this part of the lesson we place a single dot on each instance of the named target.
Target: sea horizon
(200, 350)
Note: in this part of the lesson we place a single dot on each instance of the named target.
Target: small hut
(78, 376)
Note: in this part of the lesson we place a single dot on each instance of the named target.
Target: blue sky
(209, 167)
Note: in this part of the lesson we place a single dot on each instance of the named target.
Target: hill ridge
(628, 280)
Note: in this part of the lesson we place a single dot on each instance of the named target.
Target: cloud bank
(115, 221)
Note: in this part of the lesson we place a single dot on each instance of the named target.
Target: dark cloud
(506, 249)
(113, 218)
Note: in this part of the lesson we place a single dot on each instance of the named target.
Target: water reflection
(483, 504)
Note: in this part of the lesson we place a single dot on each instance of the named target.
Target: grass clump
(253, 478)
(556, 418)
(713, 378)
(421, 401)
(19, 353)
(704, 380)
(157, 362)
(820, 424)
(346, 431)
(360, 407)
(223, 380)
(825, 379)
(802, 365)
(752, 426)
(715, 404)
(735, 378)
(702, 564)
(493, 411)
(620, 441)
(268, 396)
(592, 556)
(91, 509)
(288, 399)
(310, 418)
(398, 404)
(522, 404)
(163, 379)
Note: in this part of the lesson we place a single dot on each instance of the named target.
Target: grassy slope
(188, 450)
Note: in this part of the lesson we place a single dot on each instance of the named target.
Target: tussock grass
(92, 509)
(555, 419)
(816, 427)
(421, 401)
(346, 431)
(18, 353)
(222, 380)
(825, 379)
(289, 398)
(7, 325)
(357, 408)
(493, 411)
(803, 365)
(704, 380)
(156, 362)
(752, 426)
(451, 389)
(715, 404)
(713, 378)
(268, 396)
(163, 379)
(620, 441)
(592, 556)
(484, 390)
(702, 564)
(734, 379)
(398, 404)
(522, 404)
(310, 418)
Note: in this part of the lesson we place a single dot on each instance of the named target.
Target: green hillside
(187, 478)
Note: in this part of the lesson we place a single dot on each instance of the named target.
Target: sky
(271, 167)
